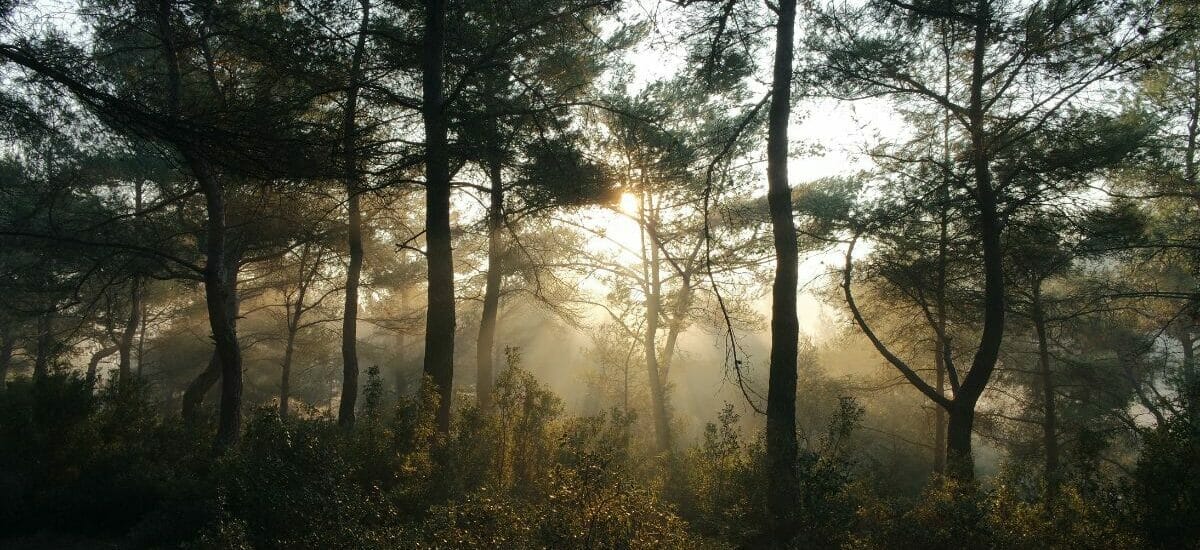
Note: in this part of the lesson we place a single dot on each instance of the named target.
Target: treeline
(273, 200)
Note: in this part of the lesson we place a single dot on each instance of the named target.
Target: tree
(1001, 92)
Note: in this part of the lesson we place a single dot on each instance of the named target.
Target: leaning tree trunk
(349, 396)
(94, 364)
(440, 320)
(785, 327)
(193, 395)
(491, 293)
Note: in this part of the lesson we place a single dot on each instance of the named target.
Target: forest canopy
(599, 274)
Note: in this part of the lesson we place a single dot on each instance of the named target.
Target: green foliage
(1166, 485)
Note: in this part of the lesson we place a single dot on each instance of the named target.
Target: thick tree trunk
(349, 398)
(440, 319)
(94, 364)
(1049, 413)
(491, 294)
(125, 365)
(785, 327)
(193, 396)
(959, 462)
(220, 289)
(958, 448)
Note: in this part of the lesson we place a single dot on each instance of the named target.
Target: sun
(629, 203)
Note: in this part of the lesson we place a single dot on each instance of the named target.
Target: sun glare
(629, 203)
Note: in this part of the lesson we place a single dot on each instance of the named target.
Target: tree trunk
(45, 346)
(683, 301)
(141, 347)
(939, 415)
(1049, 416)
(7, 343)
(440, 319)
(125, 365)
(286, 374)
(193, 395)
(349, 396)
(959, 463)
(1191, 385)
(94, 364)
(785, 327)
(491, 294)
(221, 295)
(958, 446)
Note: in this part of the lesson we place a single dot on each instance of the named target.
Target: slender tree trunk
(285, 377)
(1049, 413)
(785, 327)
(658, 397)
(440, 320)
(491, 293)
(45, 346)
(349, 397)
(939, 417)
(7, 343)
(94, 364)
(125, 365)
(141, 347)
(647, 218)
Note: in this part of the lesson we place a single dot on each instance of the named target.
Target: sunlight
(629, 203)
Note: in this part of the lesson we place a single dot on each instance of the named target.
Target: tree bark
(193, 396)
(440, 318)
(7, 343)
(45, 346)
(1049, 413)
(285, 377)
(785, 327)
(349, 397)
(958, 445)
(491, 294)
(94, 364)
(125, 365)
(647, 215)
